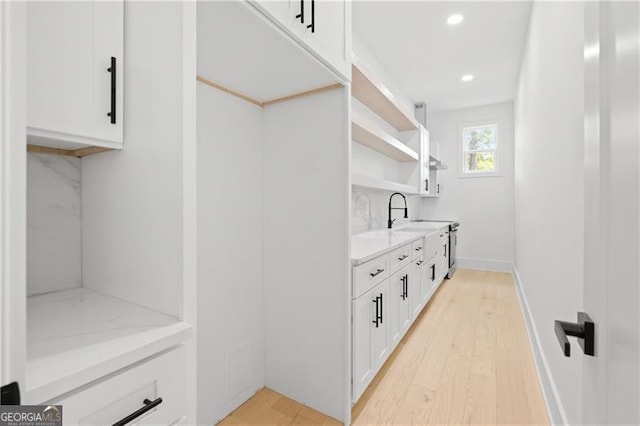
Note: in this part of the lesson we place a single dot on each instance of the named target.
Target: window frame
(461, 153)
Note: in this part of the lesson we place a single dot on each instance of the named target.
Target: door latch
(584, 330)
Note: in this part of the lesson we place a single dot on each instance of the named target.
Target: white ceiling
(427, 57)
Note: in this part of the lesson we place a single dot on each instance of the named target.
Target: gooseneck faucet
(406, 211)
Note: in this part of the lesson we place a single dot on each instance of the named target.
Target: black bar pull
(10, 394)
(112, 70)
(584, 330)
(378, 272)
(438, 189)
(148, 406)
(433, 272)
(406, 286)
(381, 312)
(404, 283)
(301, 14)
(312, 25)
(403, 257)
(426, 185)
(445, 250)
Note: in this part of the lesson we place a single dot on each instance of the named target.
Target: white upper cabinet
(324, 26)
(74, 93)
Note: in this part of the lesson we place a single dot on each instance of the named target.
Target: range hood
(435, 164)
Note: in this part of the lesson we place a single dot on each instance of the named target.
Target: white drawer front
(367, 275)
(109, 400)
(400, 257)
(417, 248)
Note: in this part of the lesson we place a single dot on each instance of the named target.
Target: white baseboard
(556, 412)
(483, 264)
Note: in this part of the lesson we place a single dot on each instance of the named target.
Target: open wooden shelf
(382, 184)
(365, 132)
(373, 94)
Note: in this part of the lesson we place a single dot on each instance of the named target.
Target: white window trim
(497, 171)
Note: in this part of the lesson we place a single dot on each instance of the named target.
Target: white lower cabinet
(385, 306)
(416, 298)
(399, 317)
(370, 336)
(159, 383)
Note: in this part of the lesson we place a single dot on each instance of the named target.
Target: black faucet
(406, 211)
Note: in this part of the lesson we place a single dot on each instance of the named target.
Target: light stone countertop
(371, 244)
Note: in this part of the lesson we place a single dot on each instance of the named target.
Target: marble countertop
(371, 244)
(78, 335)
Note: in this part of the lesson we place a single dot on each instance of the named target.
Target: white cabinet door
(326, 28)
(429, 278)
(399, 318)
(380, 345)
(69, 85)
(370, 336)
(416, 298)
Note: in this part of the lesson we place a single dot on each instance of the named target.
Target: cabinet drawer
(399, 258)
(417, 248)
(367, 275)
(109, 400)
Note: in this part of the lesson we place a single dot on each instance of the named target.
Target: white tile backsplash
(370, 210)
(54, 223)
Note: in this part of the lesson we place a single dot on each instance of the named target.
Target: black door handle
(301, 14)
(112, 70)
(312, 25)
(404, 284)
(375, 321)
(433, 272)
(148, 406)
(584, 330)
(10, 394)
(381, 311)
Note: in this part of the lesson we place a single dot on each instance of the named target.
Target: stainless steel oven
(453, 242)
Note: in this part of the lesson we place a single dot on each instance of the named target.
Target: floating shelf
(382, 184)
(373, 94)
(368, 134)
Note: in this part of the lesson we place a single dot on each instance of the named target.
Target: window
(480, 150)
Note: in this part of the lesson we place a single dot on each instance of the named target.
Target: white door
(396, 305)
(12, 193)
(611, 393)
(325, 31)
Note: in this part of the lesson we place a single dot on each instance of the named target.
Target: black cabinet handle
(406, 287)
(301, 14)
(148, 406)
(403, 257)
(404, 283)
(378, 272)
(10, 394)
(375, 321)
(112, 70)
(426, 185)
(419, 262)
(438, 189)
(584, 330)
(312, 25)
(381, 311)
(418, 248)
(433, 272)
(445, 250)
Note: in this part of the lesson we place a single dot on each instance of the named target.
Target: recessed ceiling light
(467, 77)
(455, 19)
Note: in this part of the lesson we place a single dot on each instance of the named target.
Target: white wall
(230, 284)
(549, 184)
(483, 205)
(54, 223)
(135, 253)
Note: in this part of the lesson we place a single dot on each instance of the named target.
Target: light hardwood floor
(466, 360)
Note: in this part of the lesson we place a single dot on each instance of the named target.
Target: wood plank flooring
(466, 360)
